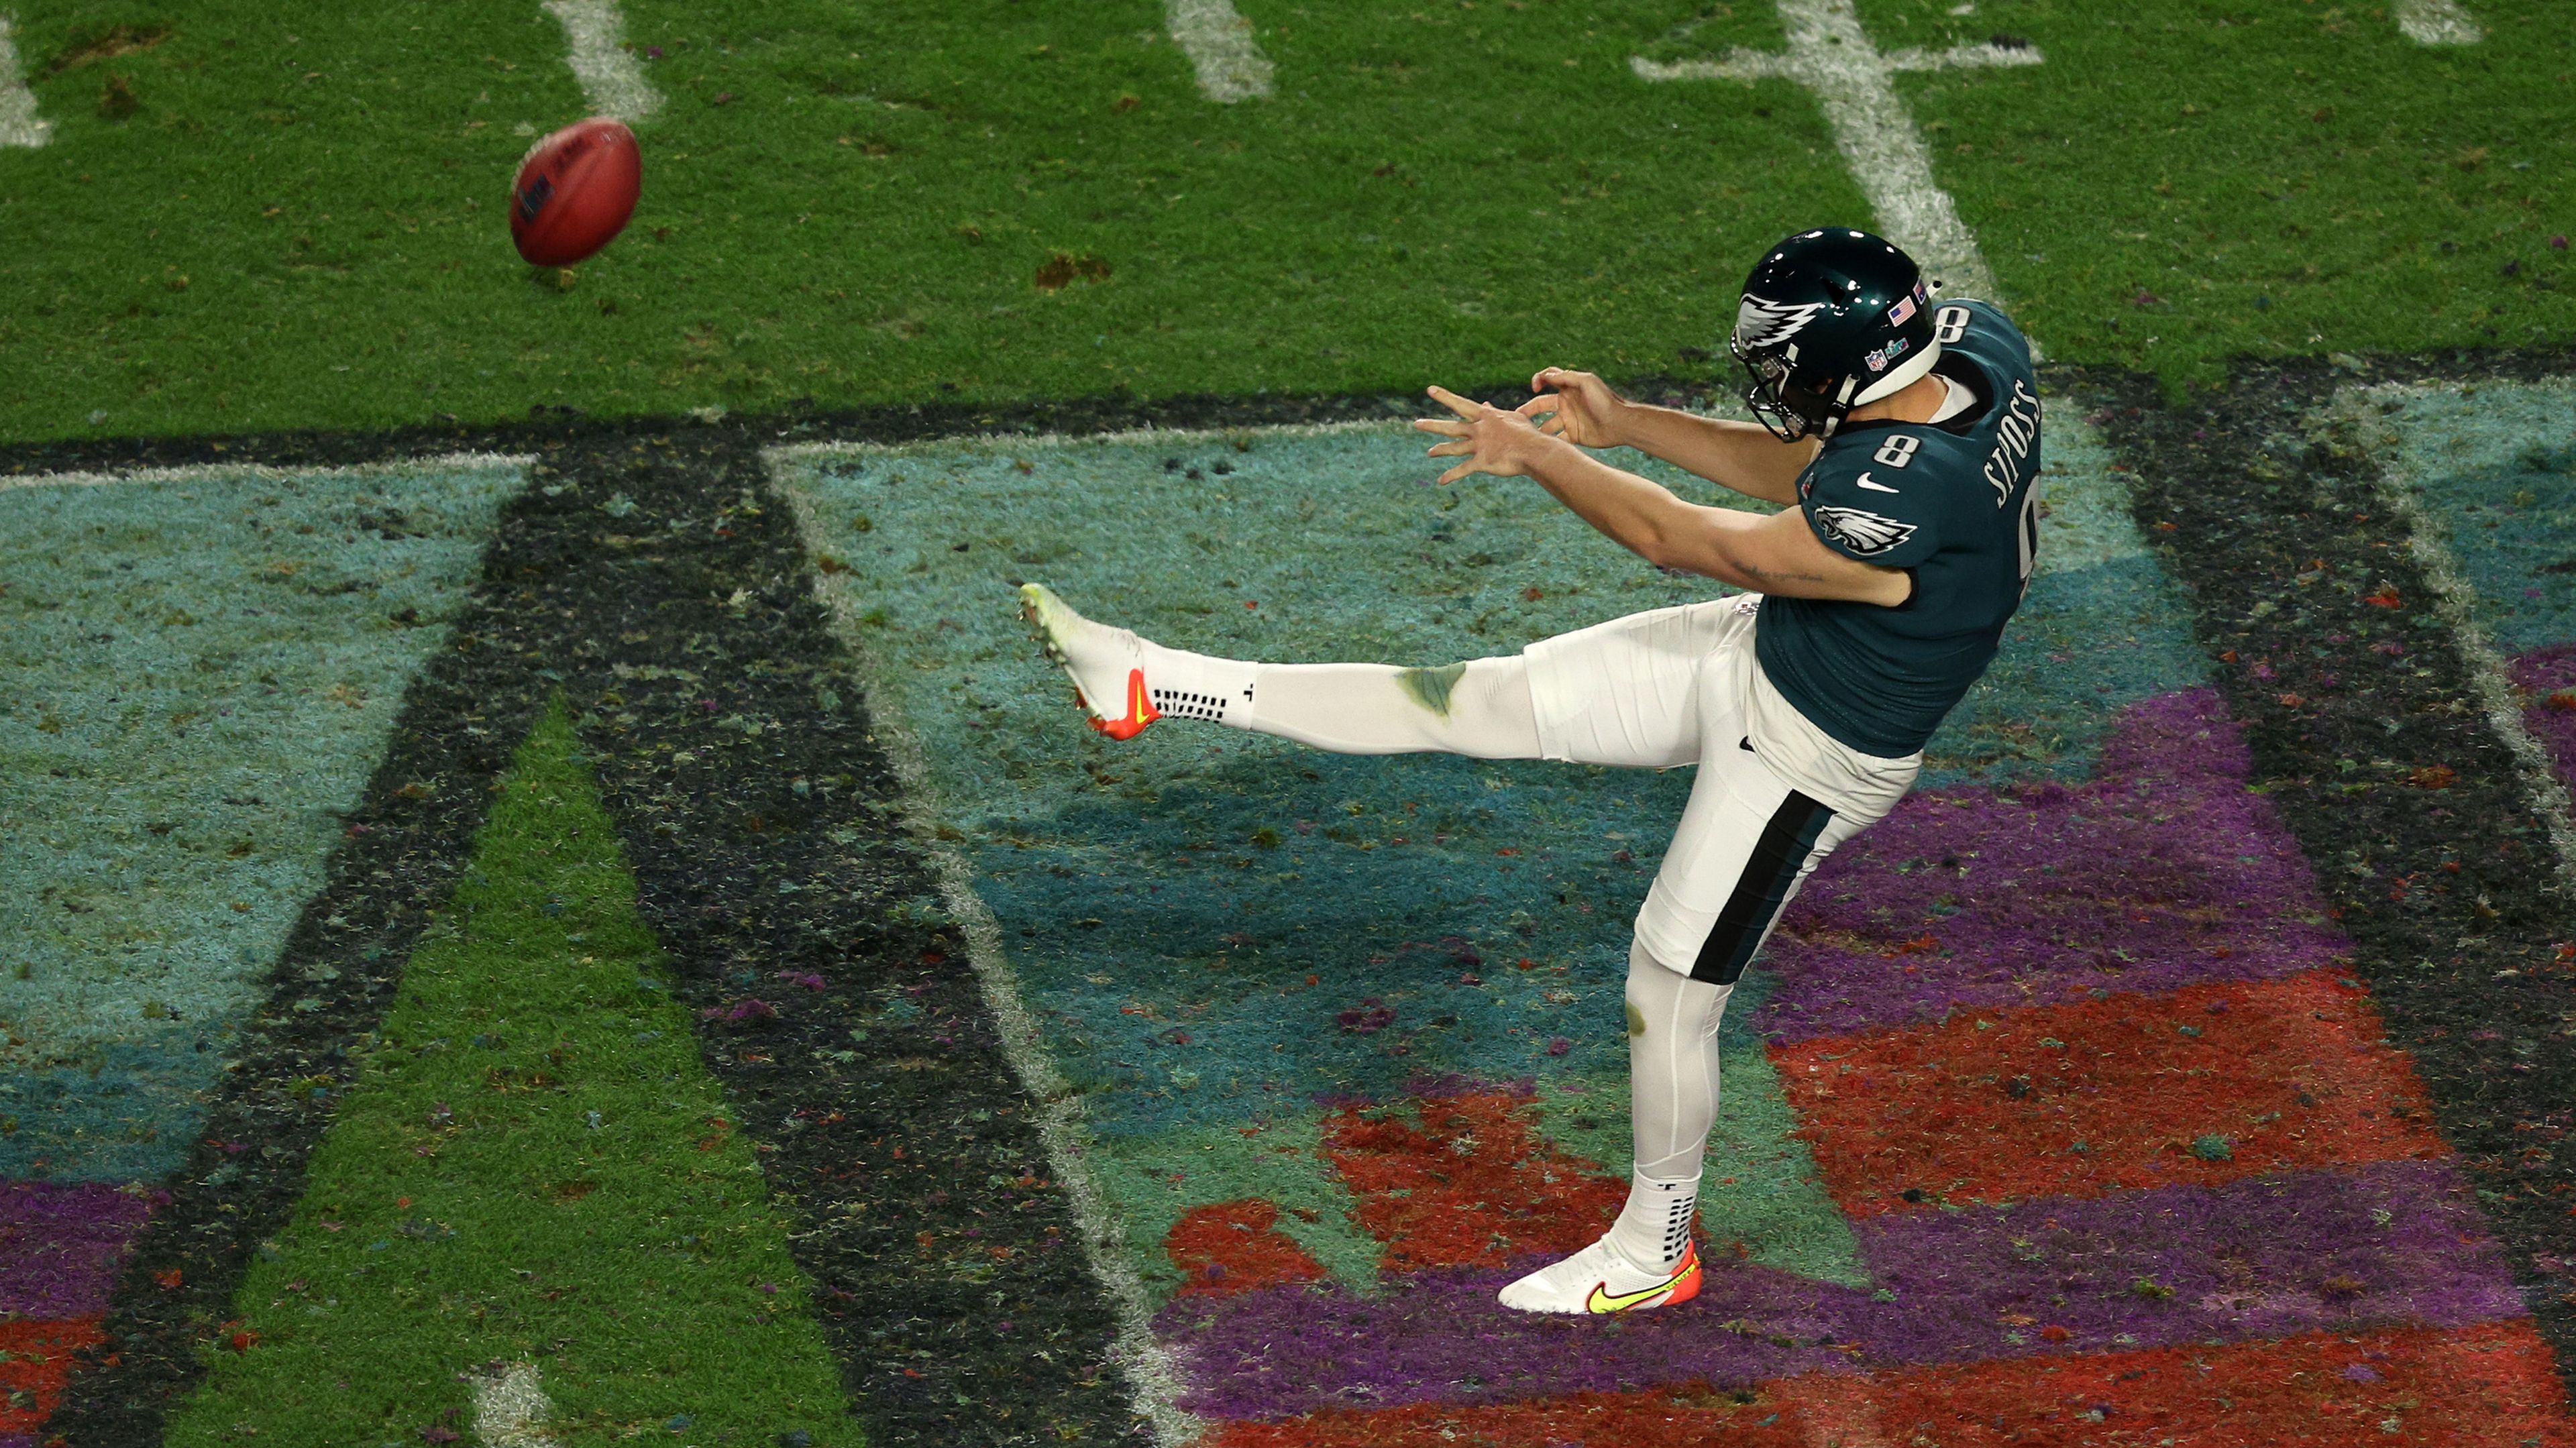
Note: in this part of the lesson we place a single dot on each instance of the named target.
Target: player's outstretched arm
(1777, 553)
(1585, 411)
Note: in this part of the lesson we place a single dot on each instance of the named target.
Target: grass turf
(532, 1166)
(286, 215)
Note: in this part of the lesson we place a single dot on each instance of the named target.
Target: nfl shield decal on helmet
(1863, 532)
(1760, 323)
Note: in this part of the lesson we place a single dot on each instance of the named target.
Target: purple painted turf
(2257, 1258)
(2161, 872)
(60, 1244)
(2545, 672)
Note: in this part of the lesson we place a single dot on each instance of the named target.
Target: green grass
(299, 222)
(2186, 180)
(531, 1167)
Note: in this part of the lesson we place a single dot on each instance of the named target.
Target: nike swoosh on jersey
(1874, 487)
(1602, 1301)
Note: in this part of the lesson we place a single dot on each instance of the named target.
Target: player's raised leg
(1125, 682)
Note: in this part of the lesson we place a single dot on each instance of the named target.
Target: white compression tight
(1481, 708)
(1672, 1083)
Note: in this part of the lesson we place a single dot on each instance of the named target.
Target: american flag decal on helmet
(1905, 307)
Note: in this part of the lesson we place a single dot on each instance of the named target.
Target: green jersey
(1951, 504)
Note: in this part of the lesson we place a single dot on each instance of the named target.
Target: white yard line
(610, 77)
(1831, 55)
(1220, 46)
(2455, 603)
(2438, 22)
(510, 1410)
(194, 472)
(1155, 1381)
(19, 123)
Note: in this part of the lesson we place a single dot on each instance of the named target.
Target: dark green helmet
(1831, 319)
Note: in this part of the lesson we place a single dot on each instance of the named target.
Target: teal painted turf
(197, 673)
(2495, 466)
(1192, 913)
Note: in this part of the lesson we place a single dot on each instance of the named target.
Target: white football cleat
(1598, 1279)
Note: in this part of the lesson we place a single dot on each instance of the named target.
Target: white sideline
(2438, 22)
(610, 79)
(194, 472)
(1831, 55)
(1150, 1371)
(2454, 602)
(1220, 46)
(510, 1410)
(19, 123)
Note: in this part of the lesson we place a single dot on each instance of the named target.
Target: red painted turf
(1470, 1183)
(1228, 1247)
(2483, 1387)
(2203, 1086)
(35, 1357)
(1684, 1417)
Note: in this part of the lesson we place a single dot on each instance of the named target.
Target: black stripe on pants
(1761, 890)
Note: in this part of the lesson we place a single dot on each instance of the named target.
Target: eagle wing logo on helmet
(1864, 533)
(1761, 323)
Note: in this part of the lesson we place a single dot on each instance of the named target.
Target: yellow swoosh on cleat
(1601, 1301)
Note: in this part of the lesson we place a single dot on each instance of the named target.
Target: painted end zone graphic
(198, 670)
(2064, 1058)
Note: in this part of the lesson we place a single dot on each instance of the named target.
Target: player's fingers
(1454, 474)
(1454, 402)
(1544, 402)
(1461, 448)
(1445, 426)
(1545, 377)
(1554, 426)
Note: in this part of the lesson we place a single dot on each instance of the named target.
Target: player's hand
(1492, 439)
(1582, 409)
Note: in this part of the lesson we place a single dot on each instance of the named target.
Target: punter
(1900, 438)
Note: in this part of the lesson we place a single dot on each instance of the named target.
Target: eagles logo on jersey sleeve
(1864, 509)
(1859, 532)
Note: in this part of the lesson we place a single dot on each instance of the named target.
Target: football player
(1899, 437)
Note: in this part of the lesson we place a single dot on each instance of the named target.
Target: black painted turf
(677, 618)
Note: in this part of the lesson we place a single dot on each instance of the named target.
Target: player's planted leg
(1647, 1258)
(1480, 708)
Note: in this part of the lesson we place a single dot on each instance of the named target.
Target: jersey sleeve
(1867, 510)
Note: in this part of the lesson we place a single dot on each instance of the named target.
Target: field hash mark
(2438, 22)
(1832, 56)
(1221, 49)
(610, 78)
(19, 123)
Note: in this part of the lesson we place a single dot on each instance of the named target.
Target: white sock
(1654, 1228)
(1185, 685)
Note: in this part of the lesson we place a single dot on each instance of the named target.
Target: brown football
(575, 191)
